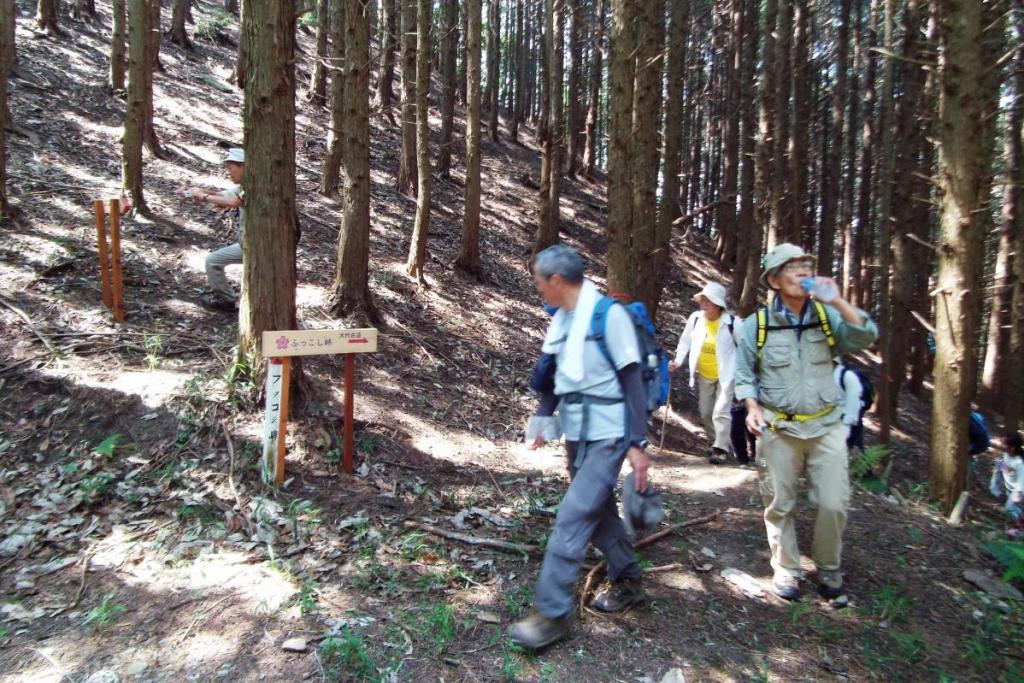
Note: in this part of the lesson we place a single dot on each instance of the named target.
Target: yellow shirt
(707, 362)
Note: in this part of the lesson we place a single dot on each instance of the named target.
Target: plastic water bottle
(821, 288)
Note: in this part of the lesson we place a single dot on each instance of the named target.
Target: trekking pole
(664, 416)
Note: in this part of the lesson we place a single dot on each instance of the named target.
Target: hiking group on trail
(603, 374)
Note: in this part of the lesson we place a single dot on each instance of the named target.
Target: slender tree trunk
(548, 209)
(860, 275)
(317, 93)
(832, 167)
(386, 77)
(780, 198)
(767, 205)
(646, 143)
(46, 18)
(1013, 410)
(725, 215)
(748, 251)
(418, 247)
(469, 252)
(241, 59)
(231, 6)
(519, 99)
(8, 13)
(574, 138)
(407, 160)
(493, 57)
(675, 74)
(464, 46)
(135, 110)
(268, 263)
(336, 136)
(962, 181)
(351, 290)
(179, 15)
(801, 229)
(115, 77)
(157, 8)
(449, 43)
(621, 74)
(150, 138)
(594, 103)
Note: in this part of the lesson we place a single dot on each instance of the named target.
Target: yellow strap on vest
(826, 327)
(762, 325)
(787, 417)
(762, 328)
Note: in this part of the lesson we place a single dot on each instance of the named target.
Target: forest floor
(138, 544)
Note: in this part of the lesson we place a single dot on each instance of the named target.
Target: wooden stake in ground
(101, 249)
(115, 259)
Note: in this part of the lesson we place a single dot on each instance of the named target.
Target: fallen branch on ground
(231, 479)
(81, 583)
(28, 321)
(523, 548)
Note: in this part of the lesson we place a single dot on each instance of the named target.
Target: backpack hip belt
(791, 417)
(587, 400)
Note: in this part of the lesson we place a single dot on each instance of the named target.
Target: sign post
(110, 256)
(278, 347)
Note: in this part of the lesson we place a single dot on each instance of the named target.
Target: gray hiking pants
(215, 263)
(587, 513)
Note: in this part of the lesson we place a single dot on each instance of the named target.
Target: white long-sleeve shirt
(850, 392)
(725, 346)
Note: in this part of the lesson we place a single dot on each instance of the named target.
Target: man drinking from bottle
(784, 377)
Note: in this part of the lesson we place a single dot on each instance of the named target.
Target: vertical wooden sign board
(278, 347)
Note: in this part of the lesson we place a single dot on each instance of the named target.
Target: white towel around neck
(571, 363)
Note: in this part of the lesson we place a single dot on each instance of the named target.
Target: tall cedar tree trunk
(851, 123)
(963, 184)
(386, 77)
(7, 18)
(46, 18)
(150, 138)
(463, 47)
(418, 247)
(336, 133)
(449, 45)
(574, 138)
(766, 211)
(135, 108)
(675, 74)
(268, 124)
(859, 273)
(493, 65)
(469, 251)
(909, 187)
(725, 214)
(621, 74)
(550, 131)
(1013, 410)
(317, 92)
(351, 291)
(407, 158)
(179, 15)
(646, 147)
(519, 99)
(779, 223)
(157, 8)
(744, 285)
(832, 169)
(597, 51)
(240, 60)
(801, 231)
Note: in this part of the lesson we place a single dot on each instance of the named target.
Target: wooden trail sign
(278, 347)
(110, 256)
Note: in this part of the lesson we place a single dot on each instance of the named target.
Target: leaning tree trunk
(386, 77)
(317, 93)
(646, 144)
(46, 18)
(621, 72)
(407, 157)
(336, 133)
(449, 43)
(115, 77)
(962, 182)
(268, 265)
(179, 14)
(351, 290)
(135, 109)
(469, 253)
(418, 248)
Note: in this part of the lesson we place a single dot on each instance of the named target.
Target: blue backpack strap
(599, 325)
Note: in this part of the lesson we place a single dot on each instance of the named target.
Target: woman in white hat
(708, 342)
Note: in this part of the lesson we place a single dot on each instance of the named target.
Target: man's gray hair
(559, 260)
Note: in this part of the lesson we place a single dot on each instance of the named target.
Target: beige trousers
(715, 414)
(781, 460)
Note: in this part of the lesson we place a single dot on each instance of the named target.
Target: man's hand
(196, 194)
(673, 366)
(639, 461)
(755, 418)
(535, 444)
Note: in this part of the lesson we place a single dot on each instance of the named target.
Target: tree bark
(493, 57)
(725, 215)
(801, 229)
(591, 145)
(859, 274)
(268, 266)
(179, 14)
(621, 73)
(574, 138)
(469, 252)
(46, 18)
(418, 248)
(317, 93)
(386, 77)
(832, 169)
(551, 143)
(779, 225)
(336, 134)
(646, 145)
(962, 180)
(150, 139)
(350, 294)
(748, 249)
(449, 43)
(519, 96)
(407, 158)
(767, 205)
(8, 13)
(115, 76)
(1013, 411)
(139, 17)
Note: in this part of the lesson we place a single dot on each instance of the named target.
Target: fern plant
(864, 464)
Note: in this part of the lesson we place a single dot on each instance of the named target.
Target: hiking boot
(717, 457)
(618, 595)
(218, 302)
(830, 583)
(537, 631)
(786, 586)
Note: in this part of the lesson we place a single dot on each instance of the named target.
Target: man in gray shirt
(604, 419)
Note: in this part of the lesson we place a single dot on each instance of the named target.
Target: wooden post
(115, 258)
(282, 419)
(350, 382)
(101, 249)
